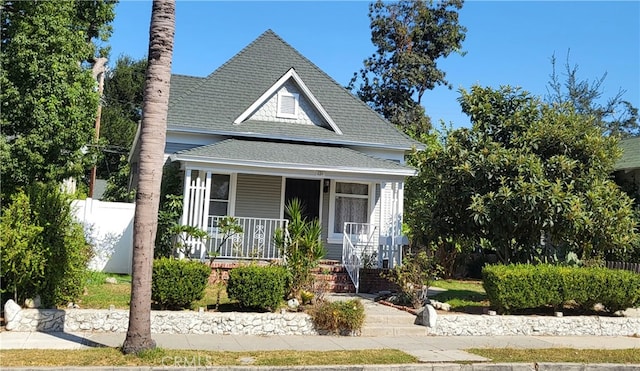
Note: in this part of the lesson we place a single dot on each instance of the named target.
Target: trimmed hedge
(178, 283)
(525, 286)
(260, 287)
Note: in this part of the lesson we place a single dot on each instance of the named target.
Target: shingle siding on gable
(307, 115)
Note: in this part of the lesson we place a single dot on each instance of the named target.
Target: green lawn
(101, 295)
(463, 295)
(560, 355)
(177, 358)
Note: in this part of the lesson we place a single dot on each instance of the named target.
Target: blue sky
(508, 43)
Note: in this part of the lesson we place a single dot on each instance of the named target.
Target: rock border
(162, 322)
(297, 323)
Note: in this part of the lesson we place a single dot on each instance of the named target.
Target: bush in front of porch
(178, 283)
(301, 247)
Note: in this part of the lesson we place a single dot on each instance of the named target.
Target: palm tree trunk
(152, 140)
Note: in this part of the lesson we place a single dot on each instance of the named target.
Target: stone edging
(486, 325)
(162, 322)
(287, 323)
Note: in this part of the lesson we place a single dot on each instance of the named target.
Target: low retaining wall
(235, 323)
(162, 322)
(486, 325)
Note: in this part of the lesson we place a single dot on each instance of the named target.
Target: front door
(308, 192)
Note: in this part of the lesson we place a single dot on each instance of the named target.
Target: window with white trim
(219, 196)
(287, 105)
(351, 203)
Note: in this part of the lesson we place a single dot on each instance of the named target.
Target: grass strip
(511, 355)
(197, 358)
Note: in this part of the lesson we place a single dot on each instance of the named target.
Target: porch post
(391, 194)
(186, 195)
(204, 225)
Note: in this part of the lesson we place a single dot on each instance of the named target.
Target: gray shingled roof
(211, 104)
(631, 154)
(268, 154)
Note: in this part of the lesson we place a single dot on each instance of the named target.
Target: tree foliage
(528, 180)
(410, 37)
(615, 117)
(44, 251)
(121, 112)
(48, 93)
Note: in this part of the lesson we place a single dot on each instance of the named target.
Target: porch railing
(254, 242)
(358, 249)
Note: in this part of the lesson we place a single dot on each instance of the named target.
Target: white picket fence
(108, 227)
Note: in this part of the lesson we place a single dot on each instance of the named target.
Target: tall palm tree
(152, 139)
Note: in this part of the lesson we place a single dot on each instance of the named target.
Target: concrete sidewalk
(433, 352)
(428, 349)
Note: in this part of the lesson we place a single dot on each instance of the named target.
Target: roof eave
(417, 145)
(290, 166)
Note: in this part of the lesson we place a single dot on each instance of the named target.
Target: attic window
(287, 105)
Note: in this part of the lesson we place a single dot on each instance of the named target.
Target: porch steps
(382, 320)
(333, 277)
(392, 325)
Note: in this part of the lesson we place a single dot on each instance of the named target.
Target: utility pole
(98, 73)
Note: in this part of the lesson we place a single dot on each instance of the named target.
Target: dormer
(288, 100)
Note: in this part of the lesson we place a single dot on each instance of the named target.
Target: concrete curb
(402, 367)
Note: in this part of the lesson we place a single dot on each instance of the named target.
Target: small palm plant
(301, 247)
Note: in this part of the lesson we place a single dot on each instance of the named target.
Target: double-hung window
(351, 203)
(219, 195)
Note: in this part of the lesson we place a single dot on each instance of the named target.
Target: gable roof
(212, 104)
(631, 154)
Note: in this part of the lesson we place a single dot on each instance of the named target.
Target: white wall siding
(258, 196)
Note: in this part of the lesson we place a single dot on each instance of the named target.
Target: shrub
(414, 276)
(49, 248)
(301, 247)
(22, 264)
(339, 317)
(64, 243)
(178, 283)
(523, 286)
(260, 287)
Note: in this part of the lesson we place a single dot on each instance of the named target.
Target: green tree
(44, 251)
(152, 137)
(615, 117)
(121, 113)
(528, 180)
(410, 37)
(49, 102)
(118, 187)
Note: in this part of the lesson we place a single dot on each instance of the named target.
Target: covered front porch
(357, 199)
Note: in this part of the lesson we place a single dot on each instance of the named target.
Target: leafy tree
(152, 137)
(121, 112)
(118, 184)
(49, 102)
(615, 117)
(410, 37)
(44, 251)
(528, 180)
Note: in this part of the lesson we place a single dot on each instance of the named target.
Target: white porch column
(195, 209)
(391, 204)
